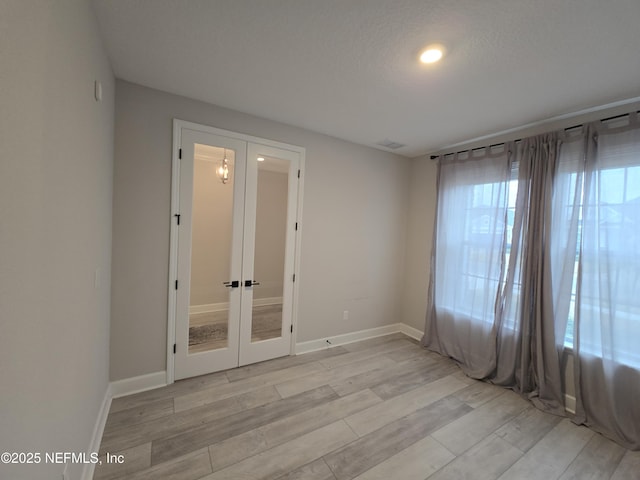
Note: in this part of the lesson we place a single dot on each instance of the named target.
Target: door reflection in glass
(270, 244)
(213, 184)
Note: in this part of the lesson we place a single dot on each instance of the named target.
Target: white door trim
(178, 126)
(252, 352)
(188, 364)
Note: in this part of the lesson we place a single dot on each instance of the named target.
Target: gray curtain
(607, 314)
(536, 254)
(484, 310)
(470, 237)
(528, 300)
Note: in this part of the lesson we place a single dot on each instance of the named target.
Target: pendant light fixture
(223, 170)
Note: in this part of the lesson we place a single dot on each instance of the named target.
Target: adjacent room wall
(210, 235)
(353, 227)
(271, 230)
(55, 231)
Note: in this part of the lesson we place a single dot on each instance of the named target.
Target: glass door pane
(270, 247)
(211, 172)
(211, 248)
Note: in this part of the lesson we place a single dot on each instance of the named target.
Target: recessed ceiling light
(432, 54)
(260, 159)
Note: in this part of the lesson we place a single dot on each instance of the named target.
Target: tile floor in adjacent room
(378, 409)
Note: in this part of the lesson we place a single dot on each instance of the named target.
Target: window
(478, 208)
(475, 238)
(610, 264)
(525, 266)
(485, 230)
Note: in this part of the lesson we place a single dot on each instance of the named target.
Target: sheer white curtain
(537, 252)
(491, 301)
(606, 337)
(469, 258)
(566, 204)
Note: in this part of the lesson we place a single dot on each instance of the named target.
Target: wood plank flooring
(379, 409)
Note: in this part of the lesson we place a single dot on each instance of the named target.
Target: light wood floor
(379, 409)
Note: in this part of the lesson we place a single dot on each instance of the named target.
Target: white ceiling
(348, 68)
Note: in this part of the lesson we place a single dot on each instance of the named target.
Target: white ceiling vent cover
(390, 144)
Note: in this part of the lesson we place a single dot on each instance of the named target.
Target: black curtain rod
(433, 157)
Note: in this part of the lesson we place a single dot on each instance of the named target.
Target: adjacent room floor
(208, 331)
(378, 409)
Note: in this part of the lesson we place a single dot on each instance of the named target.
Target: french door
(236, 232)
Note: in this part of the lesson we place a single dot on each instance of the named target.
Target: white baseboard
(209, 308)
(263, 302)
(128, 386)
(322, 343)
(221, 307)
(96, 438)
(411, 332)
(570, 404)
(116, 389)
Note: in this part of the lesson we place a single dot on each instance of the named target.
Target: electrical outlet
(345, 315)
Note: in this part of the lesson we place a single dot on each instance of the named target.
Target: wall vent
(390, 144)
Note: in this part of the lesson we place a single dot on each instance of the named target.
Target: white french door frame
(186, 364)
(252, 352)
(178, 127)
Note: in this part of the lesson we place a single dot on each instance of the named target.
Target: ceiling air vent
(391, 145)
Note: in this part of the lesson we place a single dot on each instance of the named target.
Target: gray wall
(55, 230)
(353, 226)
(421, 210)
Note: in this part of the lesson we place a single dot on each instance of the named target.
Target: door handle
(250, 283)
(232, 284)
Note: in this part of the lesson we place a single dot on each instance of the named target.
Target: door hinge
(177, 215)
(294, 277)
(180, 154)
(291, 328)
(298, 173)
(174, 348)
(176, 284)
(296, 226)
